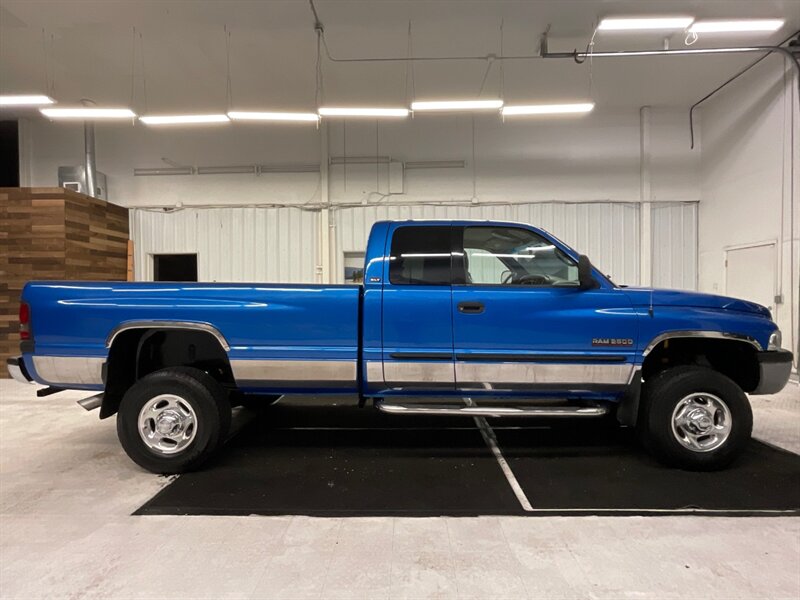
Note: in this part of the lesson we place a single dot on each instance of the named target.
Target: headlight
(775, 340)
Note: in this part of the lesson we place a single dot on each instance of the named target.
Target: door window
(420, 256)
(515, 256)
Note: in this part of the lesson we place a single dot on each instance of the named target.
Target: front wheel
(694, 418)
(172, 420)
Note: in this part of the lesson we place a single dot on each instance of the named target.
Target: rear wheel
(172, 420)
(694, 418)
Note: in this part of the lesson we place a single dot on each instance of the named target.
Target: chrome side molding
(491, 411)
(64, 371)
(295, 373)
(193, 325)
(717, 335)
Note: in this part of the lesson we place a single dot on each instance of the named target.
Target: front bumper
(16, 368)
(774, 369)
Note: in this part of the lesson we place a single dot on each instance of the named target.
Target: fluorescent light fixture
(31, 100)
(548, 109)
(644, 23)
(457, 105)
(183, 119)
(739, 25)
(331, 111)
(272, 116)
(87, 113)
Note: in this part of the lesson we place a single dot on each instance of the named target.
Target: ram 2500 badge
(502, 313)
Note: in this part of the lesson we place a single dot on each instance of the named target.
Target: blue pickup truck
(453, 318)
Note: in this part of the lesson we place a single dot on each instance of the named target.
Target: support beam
(646, 198)
(325, 217)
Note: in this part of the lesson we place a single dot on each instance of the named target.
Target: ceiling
(179, 55)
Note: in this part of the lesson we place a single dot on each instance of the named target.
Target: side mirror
(585, 279)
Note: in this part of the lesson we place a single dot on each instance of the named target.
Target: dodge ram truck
(453, 318)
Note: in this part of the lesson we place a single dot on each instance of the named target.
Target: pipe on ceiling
(90, 159)
(580, 57)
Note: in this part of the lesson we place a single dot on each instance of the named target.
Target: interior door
(417, 308)
(750, 274)
(520, 322)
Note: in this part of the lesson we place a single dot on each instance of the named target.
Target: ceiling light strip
(88, 113)
(345, 111)
(236, 115)
(26, 100)
(734, 26)
(447, 105)
(548, 109)
(183, 119)
(644, 23)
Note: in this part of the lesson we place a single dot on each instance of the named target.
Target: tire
(188, 401)
(221, 397)
(694, 418)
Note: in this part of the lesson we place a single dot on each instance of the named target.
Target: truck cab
(454, 317)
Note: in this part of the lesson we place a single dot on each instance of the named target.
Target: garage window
(175, 267)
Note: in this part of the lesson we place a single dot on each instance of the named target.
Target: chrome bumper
(774, 369)
(16, 368)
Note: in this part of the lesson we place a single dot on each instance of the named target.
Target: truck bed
(272, 333)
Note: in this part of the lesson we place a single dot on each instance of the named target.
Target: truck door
(417, 309)
(521, 323)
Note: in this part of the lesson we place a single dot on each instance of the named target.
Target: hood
(680, 298)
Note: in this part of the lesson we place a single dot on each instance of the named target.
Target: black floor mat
(304, 459)
(604, 471)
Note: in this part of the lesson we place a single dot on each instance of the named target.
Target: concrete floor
(67, 491)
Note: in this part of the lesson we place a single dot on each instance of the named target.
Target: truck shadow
(315, 457)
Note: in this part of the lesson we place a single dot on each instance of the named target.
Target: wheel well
(733, 358)
(138, 352)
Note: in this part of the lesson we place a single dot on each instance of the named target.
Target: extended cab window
(420, 256)
(514, 256)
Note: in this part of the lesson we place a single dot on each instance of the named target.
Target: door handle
(470, 308)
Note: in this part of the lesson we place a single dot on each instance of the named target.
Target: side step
(91, 402)
(491, 411)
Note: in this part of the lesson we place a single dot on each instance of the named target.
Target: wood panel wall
(53, 233)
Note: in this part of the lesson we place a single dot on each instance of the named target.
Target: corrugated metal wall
(607, 232)
(674, 228)
(232, 244)
(281, 244)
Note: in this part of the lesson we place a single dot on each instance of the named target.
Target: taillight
(24, 321)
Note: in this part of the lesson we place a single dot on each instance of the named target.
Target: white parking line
(491, 441)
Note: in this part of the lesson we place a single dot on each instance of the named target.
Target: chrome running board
(91, 402)
(491, 411)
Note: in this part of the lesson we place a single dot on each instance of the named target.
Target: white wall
(595, 157)
(749, 132)
(511, 165)
(232, 244)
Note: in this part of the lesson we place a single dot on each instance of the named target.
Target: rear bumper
(774, 369)
(16, 368)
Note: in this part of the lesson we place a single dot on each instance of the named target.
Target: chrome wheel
(167, 424)
(701, 422)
